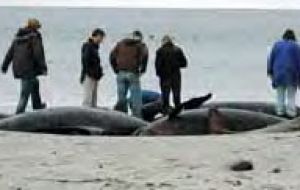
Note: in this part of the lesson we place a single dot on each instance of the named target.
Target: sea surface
(227, 50)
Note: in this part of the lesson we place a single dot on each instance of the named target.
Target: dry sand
(49, 162)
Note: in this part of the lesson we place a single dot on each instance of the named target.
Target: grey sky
(262, 4)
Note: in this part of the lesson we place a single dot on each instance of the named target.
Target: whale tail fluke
(193, 103)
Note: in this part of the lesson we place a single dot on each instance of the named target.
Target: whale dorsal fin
(190, 104)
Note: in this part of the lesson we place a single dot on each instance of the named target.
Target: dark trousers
(29, 87)
(168, 85)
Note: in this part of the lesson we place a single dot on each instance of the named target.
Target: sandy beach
(35, 162)
(227, 52)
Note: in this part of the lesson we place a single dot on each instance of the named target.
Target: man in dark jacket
(91, 71)
(169, 60)
(28, 58)
(129, 60)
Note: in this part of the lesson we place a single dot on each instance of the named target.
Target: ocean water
(226, 49)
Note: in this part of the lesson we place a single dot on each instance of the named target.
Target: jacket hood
(168, 44)
(25, 34)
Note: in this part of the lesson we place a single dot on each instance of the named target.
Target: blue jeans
(288, 106)
(29, 88)
(129, 82)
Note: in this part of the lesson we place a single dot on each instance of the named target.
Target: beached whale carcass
(68, 120)
(286, 126)
(202, 121)
(263, 107)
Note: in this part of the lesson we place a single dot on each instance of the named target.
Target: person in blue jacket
(284, 71)
(149, 96)
(152, 104)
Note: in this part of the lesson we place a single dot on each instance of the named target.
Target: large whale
(263, 107)
(70, 120)
(199, 122)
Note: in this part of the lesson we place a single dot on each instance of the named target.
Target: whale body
(65, 120)
(263, 107)
(196, 122)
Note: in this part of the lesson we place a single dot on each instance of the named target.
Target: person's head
(289, 34)
(166, 40)
(137, 35)
(98, 35)
(33, 23)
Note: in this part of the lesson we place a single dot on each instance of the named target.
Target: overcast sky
(262, 4)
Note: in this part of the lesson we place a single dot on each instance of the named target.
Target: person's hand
(116, 71)
(81, 80)
(270, 75)
(45, 72)
(3, 70)
(142, 72)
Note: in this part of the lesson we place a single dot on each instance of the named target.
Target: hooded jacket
(129, 55)
(27, 54)
(284, 64)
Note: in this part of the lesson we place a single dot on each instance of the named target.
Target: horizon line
(149, 7)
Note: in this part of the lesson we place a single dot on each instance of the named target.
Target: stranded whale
(198, 122)
(69, 120)
(263, 107)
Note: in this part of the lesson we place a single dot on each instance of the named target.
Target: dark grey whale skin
(283, 127)
(195, 122)
(68, 120)
(3, 116)
(263, 107)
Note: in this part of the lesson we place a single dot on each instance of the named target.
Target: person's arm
(297, 54)
(8, 58)
(113, 58)
(85, 54)
(182, 58)
(145, 56)
(271, 61)
(158, 63)
(39, 54)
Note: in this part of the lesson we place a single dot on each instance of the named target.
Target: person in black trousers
(170, 59)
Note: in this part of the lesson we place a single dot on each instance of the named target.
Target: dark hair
(98, 32)
(289, 34)
(137, 33)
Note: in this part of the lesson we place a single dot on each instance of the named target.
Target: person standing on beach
(92, 70)
(27, 55)
(284, 71)
(129, 61)
(169, 60)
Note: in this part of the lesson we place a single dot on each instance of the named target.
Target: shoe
(166, 110)
(42, 106)
(290, 116)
